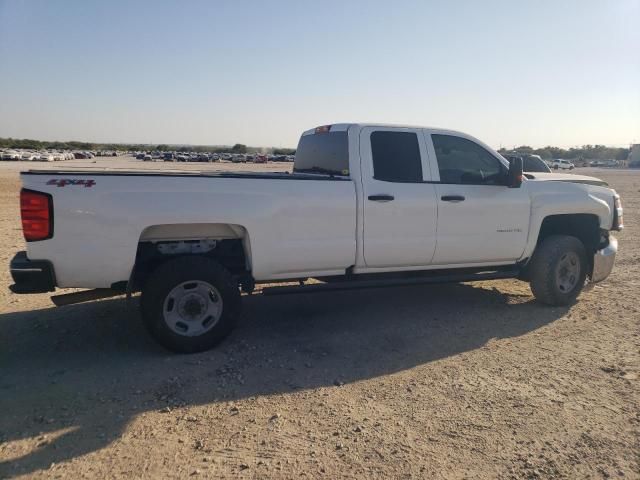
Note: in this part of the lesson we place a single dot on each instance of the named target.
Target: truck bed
(288, 227)
(184, 173)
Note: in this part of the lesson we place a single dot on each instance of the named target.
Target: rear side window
(396, 157)
(463, 161)
(325, 152)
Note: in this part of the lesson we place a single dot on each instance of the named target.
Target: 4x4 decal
(63, 182)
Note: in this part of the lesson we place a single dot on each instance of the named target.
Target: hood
(565, 177)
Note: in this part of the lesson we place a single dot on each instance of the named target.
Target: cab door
(480, 219)
(400, 209)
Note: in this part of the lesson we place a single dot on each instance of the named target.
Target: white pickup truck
(366, 206)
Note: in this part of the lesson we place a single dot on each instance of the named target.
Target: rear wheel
(558, 270)
(190, 304)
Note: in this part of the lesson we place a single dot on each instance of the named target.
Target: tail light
(618, 222)
(36, 210)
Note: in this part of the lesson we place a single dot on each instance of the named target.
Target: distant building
(634, 156)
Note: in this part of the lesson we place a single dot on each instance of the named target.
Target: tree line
(586, 152)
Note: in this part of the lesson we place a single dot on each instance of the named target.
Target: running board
(84, 296)
(393, 282)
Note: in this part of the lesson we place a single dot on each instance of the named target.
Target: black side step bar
(392, 282)
(84, 296)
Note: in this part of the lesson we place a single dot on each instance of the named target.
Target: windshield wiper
(323, 170)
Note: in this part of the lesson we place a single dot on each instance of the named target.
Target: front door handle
(381, 198)
(452, 198)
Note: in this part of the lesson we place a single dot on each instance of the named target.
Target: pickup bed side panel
(295, 227)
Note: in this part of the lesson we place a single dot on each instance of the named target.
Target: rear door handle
(381, 198)
(452, 198)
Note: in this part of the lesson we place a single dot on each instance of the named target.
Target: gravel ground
(455, 381)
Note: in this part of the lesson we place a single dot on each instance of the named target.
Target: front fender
(577, 201)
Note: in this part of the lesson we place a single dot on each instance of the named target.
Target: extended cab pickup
(366, 206)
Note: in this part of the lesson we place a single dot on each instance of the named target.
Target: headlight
(618, 222)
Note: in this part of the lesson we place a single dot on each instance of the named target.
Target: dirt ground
(453, 381)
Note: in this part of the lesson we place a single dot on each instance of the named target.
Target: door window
(461, 161)
(396, 157)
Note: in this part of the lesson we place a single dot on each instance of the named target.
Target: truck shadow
(72, 378)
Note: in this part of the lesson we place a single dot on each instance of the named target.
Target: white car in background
(10, 155)
(560, 164)
(27, 156)
(45, 157)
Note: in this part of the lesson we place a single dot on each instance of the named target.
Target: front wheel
(558, 270)
(190, 304)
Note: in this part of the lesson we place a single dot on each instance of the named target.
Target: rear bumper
(603, 260)
(31, 276)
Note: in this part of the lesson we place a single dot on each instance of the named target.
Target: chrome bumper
(603, 260)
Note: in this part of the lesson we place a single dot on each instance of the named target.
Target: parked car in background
(27, 156)
(530, 163)
(560, 164)
(168, 157)
(260, 159)
(147, 158)
(10, 155)
(534, 163)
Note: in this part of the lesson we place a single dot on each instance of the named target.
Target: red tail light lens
(36, 210)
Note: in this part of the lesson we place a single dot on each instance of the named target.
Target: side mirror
(514, 177)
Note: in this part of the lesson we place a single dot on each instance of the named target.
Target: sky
(510, 72)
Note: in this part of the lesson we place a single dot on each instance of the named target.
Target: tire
(558, 270)
(190, 304)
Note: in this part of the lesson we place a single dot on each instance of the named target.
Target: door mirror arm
(514, 175)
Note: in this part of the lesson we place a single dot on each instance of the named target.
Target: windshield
(325, 152)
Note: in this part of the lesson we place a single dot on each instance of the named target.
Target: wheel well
(229, 252)
(585, 227)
